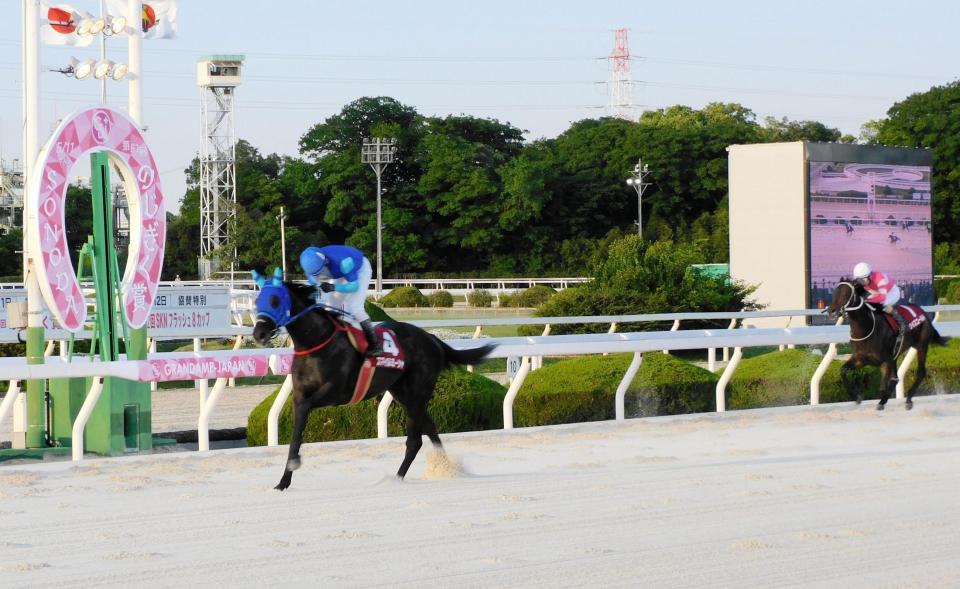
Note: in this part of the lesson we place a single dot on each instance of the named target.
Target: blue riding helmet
(313, 262)
(273, 302)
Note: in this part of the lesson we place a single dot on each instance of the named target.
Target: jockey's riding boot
(901, 322)
(373, 341)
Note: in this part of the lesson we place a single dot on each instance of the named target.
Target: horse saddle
(912, 315)
(392, 357)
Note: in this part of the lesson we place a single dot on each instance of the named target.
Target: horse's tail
(936, 338)
(466, 356)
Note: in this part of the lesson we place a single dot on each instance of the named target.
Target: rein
(336, 327)
(847, 308)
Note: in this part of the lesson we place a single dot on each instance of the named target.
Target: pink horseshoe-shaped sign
(95, 129)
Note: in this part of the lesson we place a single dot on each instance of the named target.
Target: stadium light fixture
(83, 69)
(120, 71)
(103, 69)
(117, 24)
(90, 25)
(97, 26)
(638, 182)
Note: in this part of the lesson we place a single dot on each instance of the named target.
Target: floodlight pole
(35, 436)
(283, 242)
(379, 152)
(639, 183)
(103, 58)
(134, 63)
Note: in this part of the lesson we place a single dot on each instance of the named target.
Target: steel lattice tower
(621, 86)
(218, 76)
(11, 196)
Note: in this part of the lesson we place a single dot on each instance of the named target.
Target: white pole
(383, 413)
(515, 385)
(625, 384)
(31, 139)
(273, 418)
(83, 417)
(135, 71)
(725, 378)
(206, 410)
(379, 235)
(103, 58)
(283, 244)
(821, 370)
(31, 151)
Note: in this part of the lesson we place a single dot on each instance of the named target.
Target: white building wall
(768, 223)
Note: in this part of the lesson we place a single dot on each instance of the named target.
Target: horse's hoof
(293, 464)
(284, 481)
(881, 407)
(909, 404)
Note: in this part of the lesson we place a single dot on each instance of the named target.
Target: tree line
(469, 196)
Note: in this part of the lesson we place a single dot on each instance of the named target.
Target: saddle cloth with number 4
(392, 357)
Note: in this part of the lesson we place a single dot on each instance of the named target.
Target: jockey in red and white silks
(881, 289)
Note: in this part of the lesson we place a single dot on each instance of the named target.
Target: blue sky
(537, 65)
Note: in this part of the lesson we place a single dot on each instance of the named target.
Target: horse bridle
(846, 308)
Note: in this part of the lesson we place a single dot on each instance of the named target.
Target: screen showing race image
(874, 213)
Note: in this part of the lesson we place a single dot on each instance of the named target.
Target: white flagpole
(134, 61)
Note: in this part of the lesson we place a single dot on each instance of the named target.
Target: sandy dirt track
(830, 496)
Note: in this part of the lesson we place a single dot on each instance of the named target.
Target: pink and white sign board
(89, 130)
(209, 367)
(282, 363)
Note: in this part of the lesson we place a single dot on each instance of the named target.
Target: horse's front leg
(301, 409)
(888, 382)
(849, 365)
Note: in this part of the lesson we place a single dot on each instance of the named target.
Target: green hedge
(783, 378)
(479, 298)
(440, 298)
(404, 296)
(463, 401)
(529, 298)
(943, 368)
(584, 389)
(535, 296)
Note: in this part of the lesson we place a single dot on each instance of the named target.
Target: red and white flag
(58, 26)
(158, 18)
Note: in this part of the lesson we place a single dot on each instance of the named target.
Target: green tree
(637, 276)
(782, 129)
(686, 150)
(345, 189)
(931, 119)
(11, 263)
(461, 183)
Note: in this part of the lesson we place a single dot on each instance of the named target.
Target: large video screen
(874, 213)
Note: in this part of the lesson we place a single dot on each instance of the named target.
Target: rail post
(625, 384)
(725, 378)
(515, 385)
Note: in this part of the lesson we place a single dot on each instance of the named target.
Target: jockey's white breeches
(893, 296)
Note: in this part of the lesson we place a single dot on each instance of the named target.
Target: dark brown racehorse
(326, 365)
(875, 342)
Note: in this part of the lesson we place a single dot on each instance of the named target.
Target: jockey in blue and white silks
(346, 272)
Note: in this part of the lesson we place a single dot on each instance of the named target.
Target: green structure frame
(121, 420)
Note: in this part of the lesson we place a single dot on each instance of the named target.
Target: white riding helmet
(861, 270)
